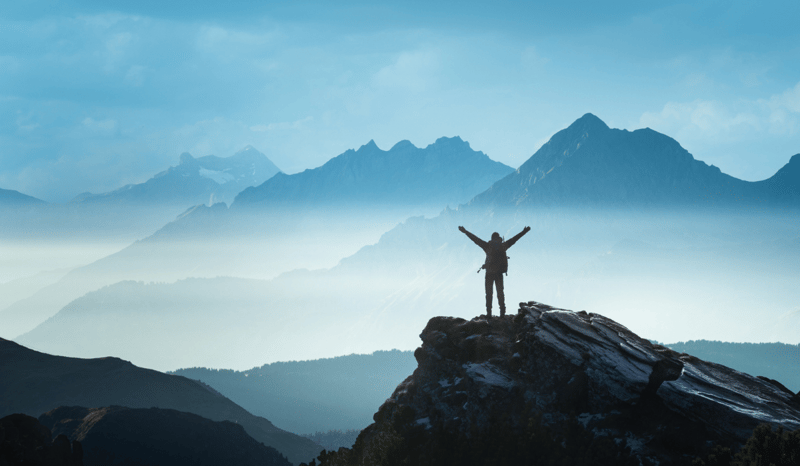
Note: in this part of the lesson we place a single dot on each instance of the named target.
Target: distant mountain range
(35, 383)
(446, 172)
(338, 393)
(589, 164)
(423, 263)
(11, 198)
(136, 210)
(264, 239)
(204, 180)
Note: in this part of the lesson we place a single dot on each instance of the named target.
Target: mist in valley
(338, 285)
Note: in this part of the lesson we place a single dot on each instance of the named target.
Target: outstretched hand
(462, 229)
(526, 229)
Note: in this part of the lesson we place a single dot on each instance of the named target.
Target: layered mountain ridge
(35, 383)
(446, 172)
(203, 180)
(589, 164)
(15, 199)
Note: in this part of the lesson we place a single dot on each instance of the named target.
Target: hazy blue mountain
(700, 269)
(208, 241)
(446, 172)
(338, 393)
(21, 288)
(35, 383)
(590, 164)
(204, 180)
(784, 186)
(11, 198)
(240, 322)
(20, 212)
(332, 440)
(136, 211)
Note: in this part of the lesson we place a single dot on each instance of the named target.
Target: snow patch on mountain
(219, 177)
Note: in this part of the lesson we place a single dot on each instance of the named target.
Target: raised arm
(474, 238)
(513, 240)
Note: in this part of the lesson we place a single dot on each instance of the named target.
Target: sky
(95, 95)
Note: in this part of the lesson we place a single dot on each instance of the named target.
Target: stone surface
(24, 440)
(123, 436)
(562, 369)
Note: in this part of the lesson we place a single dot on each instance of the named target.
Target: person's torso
(496, 259)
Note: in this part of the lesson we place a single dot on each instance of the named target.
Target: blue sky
(94, 95)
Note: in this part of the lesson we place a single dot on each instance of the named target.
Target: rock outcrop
(24, 440)
(556, 385)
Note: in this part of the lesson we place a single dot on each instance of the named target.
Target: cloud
(135, 75)
(778, 114)
(298, 124)
(412, 71)
(789, 100)
(532, 60)
(709, 119)
(103, 126)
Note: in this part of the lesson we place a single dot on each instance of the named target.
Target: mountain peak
(588, 121)
(248, 151)
(455, 141)
(186, 158)
(404, 144)
(370, 146)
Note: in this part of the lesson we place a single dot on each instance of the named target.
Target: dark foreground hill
(35, 383)
(550, 386)
(24, 440)
(157, 437)
(75, 436)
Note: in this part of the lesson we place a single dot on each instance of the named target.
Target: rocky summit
(552, 386)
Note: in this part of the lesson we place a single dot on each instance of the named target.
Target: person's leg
(489, 279)
(501, 297)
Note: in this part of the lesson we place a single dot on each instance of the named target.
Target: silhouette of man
(496, 265)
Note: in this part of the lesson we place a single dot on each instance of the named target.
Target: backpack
(496, 257)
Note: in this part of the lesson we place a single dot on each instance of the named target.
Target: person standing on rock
(496, 265)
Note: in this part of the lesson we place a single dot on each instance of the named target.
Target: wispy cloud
(778, 114)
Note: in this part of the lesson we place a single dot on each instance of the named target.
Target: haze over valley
(353, 257)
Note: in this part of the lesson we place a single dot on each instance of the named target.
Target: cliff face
(568, 386)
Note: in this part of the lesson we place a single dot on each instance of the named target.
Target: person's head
(496, 236)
